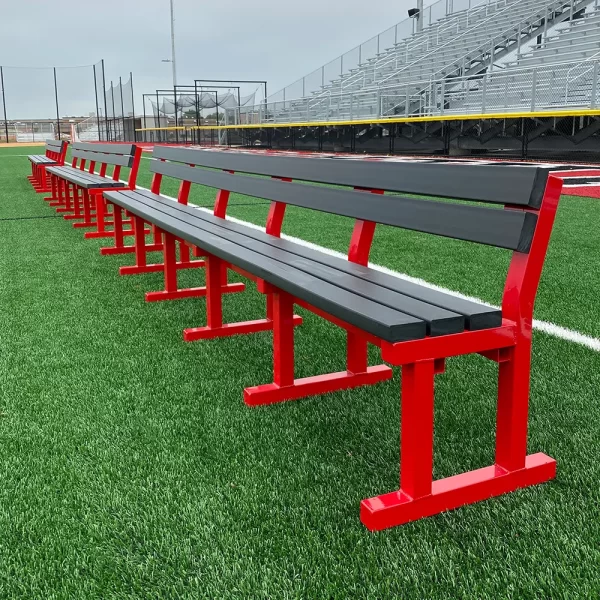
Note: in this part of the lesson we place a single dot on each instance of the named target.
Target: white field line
(552, 329)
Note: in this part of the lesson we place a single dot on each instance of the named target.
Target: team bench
(76, 190)
(416, 327)
(55, 155)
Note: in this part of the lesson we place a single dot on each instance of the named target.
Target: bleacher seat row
(416, 327)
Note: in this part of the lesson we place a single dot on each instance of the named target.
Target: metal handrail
(465, 33)
(408, 47)
(594, 56)
(428, 10)
(308, 109)
(438, 48)
(555, 5)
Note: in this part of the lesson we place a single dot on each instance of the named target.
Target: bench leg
(88, 220)
(170, 266)
(285, 386)
(139, 248)
(60, 193)
(68, 206)
(77, 204)
(53, 190)
(99, 218)
(419, 496)
(216, 286)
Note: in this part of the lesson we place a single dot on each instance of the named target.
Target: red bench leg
(97, 200)
(216, 286)
(77, 204)
(419, 496)
(88, 215)
(60, 193)
(67, 207)
(53, 189)
(285, 386)
(139, 248)
(170, 266)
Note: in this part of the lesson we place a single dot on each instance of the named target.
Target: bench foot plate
(135, 270)
(83, 224)
(110, 250)
(90, 235)
(198, 292)
(313, 386)
(397, 508)
(229, 329)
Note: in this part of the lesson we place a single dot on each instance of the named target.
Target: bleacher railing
(371, 49)
(561, 86)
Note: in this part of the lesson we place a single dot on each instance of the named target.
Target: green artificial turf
(130, 467)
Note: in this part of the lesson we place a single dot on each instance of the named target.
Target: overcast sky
(259, 39)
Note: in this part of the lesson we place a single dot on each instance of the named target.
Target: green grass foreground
(130, 467)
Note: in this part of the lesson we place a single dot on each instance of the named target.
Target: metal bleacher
(485, 56)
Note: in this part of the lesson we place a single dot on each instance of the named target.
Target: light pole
(172, 59)
(417, 14)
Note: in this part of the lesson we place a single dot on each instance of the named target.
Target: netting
(185, 106)
(45, 102)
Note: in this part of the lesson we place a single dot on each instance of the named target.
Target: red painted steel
(510, 346)
(39, 178)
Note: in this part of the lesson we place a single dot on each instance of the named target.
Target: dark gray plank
(478, 316)
(124, 149)
(41, 159)
(381, 321)
(518, 185)
(55, 145)
(439, 321)
(100, 157)
(511, 229)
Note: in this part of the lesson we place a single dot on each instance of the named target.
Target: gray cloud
(264, 39)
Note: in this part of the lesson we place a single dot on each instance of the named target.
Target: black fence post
(105, 105)
(144, 109)
(122, 107)
(176, 123)
(4, 103)
(114, 119)
(133, 107)
(56, 98)
(97, 106)
(158, 117)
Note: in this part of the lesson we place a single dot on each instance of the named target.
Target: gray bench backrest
(111, 154)
(509, 228)
(55, 146)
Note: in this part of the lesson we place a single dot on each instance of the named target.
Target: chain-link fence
(39, 103)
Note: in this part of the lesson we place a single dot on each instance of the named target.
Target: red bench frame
(38, 177)
(421, 360)
(84, 205)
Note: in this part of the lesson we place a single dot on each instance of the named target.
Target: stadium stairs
(463, 44)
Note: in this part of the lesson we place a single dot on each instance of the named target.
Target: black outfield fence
(573, 137)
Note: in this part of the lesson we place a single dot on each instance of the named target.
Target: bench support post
(77, 204)
(285, 386)
(216, 286)
(170, 266)
(418, 496)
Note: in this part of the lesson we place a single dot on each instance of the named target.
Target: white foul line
(552, 329)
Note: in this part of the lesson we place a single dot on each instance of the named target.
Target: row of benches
(416, 327)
